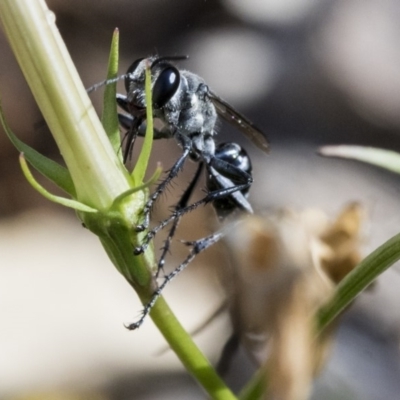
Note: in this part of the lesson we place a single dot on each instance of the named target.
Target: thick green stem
(63, 101)
(97, 173)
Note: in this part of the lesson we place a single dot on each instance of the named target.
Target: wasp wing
(237, 119)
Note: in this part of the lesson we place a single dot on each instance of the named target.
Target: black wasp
(188, 110)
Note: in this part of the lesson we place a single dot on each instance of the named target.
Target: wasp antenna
(183, 57)
(168, 58)
(104, 83)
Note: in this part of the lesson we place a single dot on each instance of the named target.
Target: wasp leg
(181, 204)
(173, 172)
(227, 188)
(198, 246)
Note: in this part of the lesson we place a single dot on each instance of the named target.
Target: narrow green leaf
(144, 156)
(387, 159)
(359, 279)
(109, 118)
(145, 185)
(48, 168)
(76, 205)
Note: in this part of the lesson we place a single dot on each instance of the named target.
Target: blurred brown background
(309, 73)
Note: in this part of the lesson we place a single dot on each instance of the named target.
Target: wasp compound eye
(165, 86)
(131, 69)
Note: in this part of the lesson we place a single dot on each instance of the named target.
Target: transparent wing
(237, 119)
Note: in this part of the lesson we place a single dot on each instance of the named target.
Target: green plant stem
(191, 357)
(97, 173)
(60, 95)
